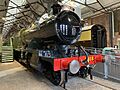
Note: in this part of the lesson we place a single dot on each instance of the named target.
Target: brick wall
(102, 20)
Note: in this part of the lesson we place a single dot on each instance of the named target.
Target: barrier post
(107, 64)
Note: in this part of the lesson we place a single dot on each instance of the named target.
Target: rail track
(106, 86)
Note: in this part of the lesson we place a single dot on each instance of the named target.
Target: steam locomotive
(49, 48)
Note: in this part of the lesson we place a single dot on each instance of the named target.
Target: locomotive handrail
(86, 54)
(47, 21)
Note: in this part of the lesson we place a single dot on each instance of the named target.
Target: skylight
(11, 12)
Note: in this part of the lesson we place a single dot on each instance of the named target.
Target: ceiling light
(3, 18)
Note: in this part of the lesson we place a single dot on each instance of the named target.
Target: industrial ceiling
(18, 14)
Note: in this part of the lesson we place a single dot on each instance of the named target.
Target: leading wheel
(56, 76)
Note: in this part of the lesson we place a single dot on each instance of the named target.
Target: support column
(0, 46)
(110, 29)
(113, 24)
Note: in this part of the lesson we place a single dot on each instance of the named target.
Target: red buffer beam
(63, 63)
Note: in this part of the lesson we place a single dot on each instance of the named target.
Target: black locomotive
(46, 47)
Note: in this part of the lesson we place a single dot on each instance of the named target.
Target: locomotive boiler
(65, 28)
(47, 48)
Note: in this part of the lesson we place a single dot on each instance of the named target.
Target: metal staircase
(7, 53)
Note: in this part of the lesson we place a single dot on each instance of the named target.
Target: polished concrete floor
(19, 78)
(9, 65)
